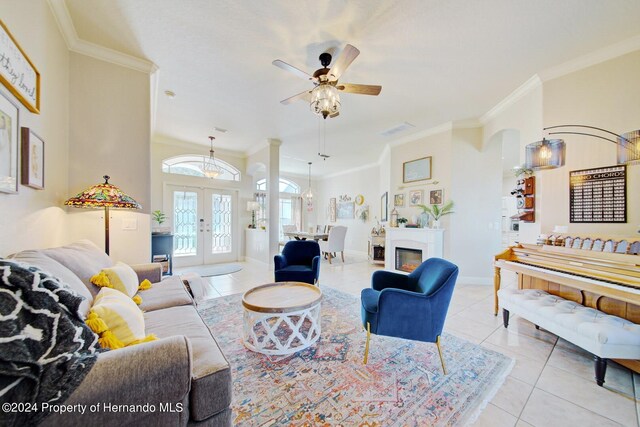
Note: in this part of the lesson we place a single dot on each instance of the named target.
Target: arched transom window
(193, 164)
(286, 186)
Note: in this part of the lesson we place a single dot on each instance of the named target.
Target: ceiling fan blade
(336, 114)
(290, 68)
(359, 89)
(306, 95)
(348, 54)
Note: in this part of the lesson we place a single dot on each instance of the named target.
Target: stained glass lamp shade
(103, 195)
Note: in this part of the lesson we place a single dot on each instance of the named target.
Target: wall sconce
(550, 153)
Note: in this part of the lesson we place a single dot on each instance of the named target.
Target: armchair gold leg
(366, 346)
(444, 369)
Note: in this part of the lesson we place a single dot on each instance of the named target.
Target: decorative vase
(435, 224)
(424, 220)
(402, 225)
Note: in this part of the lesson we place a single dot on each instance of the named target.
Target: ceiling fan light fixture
(325, 100)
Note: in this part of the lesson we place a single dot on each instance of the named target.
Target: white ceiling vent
(397, 129)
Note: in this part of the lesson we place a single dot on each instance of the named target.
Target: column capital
(274, 142)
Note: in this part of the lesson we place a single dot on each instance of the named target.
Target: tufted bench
(603, 335)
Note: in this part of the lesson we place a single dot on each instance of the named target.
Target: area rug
(209, 270)
(328, 385)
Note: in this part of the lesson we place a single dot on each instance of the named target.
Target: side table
(162, 251)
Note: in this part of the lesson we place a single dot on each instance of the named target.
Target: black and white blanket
(46, 350)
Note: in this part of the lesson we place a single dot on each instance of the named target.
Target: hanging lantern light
(308, 193)
(210, 168)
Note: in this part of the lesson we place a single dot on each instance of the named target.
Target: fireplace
(408, 259)
(406, 248)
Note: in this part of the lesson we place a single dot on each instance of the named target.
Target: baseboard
(474, 280)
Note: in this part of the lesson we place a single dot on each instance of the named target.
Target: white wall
(524, 115)
(109, 116)
(475, 228)
(363, 181)
(35, 218)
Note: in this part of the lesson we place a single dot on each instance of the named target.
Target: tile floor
(551, 383)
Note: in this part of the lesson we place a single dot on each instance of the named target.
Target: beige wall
(109, 114)
(35, 218)
(607, 96)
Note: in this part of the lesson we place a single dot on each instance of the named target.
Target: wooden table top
(281, 297)
(301, 235)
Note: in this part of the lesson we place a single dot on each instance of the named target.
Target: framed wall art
(598, 195)
(32, 165)
(17, 72)
(415, 197)
(416, 170)
(398, 200)
(384, 204)
(8, 145)
(435, 197)
(346, 210)
(332, 209)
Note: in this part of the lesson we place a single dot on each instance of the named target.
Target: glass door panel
(204, 224)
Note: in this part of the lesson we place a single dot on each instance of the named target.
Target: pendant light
(308, 193)
(210, 168)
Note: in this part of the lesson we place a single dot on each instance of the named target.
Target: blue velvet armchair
(299, 262)
(410, 306)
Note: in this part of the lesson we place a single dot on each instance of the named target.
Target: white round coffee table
(281, 318)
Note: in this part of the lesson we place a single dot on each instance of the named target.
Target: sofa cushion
(59, 271)
(122, 317)
(170, 292)
(211, 373)
(120, 277)
(84, 258)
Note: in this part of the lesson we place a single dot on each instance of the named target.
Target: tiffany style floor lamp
(103, 195)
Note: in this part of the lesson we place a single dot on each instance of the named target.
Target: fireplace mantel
(430, 241)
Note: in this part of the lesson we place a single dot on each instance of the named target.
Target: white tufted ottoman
(606, 336)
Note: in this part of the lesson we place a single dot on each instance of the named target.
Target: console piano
(606, 281)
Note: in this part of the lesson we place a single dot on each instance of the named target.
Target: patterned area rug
(327, 384)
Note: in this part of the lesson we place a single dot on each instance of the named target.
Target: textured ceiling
(437, 61)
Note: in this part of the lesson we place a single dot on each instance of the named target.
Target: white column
(273, 189)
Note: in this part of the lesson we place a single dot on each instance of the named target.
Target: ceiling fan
(324, 98)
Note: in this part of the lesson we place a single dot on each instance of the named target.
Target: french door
(204, 224)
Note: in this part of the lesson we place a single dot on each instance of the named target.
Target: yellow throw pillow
(117, 320)
(120, 277)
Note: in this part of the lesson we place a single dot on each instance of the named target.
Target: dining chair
(335, 242)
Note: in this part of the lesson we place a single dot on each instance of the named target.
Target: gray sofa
(183, 368)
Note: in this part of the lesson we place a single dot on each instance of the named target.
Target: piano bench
(603, 335)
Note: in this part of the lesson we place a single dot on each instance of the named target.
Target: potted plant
(437, 211)
(159, 217)
(402, 221)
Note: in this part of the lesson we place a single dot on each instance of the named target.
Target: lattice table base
(281, 333)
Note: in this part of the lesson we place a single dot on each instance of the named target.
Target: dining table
(302, 235)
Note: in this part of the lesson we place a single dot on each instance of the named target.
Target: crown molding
(601, 55)
(75, 44)
(531, 84)
(344, 172)
(162, 139)
(467, 124)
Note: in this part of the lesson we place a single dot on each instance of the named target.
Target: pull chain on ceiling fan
(324, 98)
